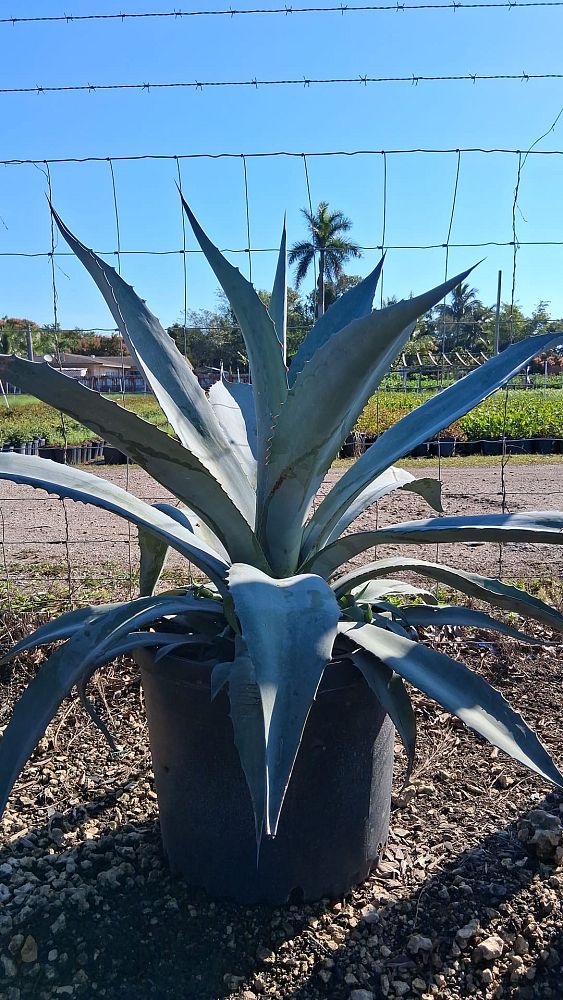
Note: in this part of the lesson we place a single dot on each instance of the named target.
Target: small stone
(325, 975)
(361, 995)
(59, 924)
(467, 932)
(15, 944)
(29, 949)
(489, 949)
(52, 955)
(400, 987)
(265, 955)
(520, 946)
(370, 914)
(417, 942)
(9, 966)
(418, 984)
(487, 977)
(4, 893)
(248, 995)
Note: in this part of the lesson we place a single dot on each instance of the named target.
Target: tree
(461, 322)
(325, 230)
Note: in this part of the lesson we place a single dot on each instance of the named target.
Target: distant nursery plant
(273, 689)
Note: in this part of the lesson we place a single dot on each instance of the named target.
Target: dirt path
(35, 524)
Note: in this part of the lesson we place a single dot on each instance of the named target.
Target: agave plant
(245, 465)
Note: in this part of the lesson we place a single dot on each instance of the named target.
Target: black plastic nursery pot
(443, 447)
(113, 456)
(335, 818)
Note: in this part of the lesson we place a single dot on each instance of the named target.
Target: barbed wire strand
(47, 173)
(269, 154)
(414, 79)
(286, 11)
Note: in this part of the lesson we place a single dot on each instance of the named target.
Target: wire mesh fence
(47, 543)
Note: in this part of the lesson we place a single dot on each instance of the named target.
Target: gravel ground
(460, 905)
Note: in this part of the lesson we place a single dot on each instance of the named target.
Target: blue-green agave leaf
(289, 627)
(326, 399)
(248, 726)
(390, 691)
(174, 384)
(61, 628)
(269, 377)
(354, 304)
(459, 691)
(420, 425)
(374, 590)
(484, 588)
(170, 464)
(278, 299)
(154, 551)
(465, 617)
(392, 479)
(533, 526)
(233, 405)
(87, 648)
(67, 481)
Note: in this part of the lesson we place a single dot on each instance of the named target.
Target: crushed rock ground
(461, 905)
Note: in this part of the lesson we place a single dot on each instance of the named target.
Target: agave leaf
(326, 399)
(392, 479)
(289, 628)
(154, 551)
(459, 691)
(89, 647)
(374, 590)
(263, 346)
(66, 481)
(422, 423)
(233, 405)
(502, 595)
(174, 384)
(61, 628)
(532, 526)
(278, 299)
(160, 455)
(220, 677)
(248, 727)
(389, 689)
(466, 617)
(354, 304)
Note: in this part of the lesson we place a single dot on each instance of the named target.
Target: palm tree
(325, 229)
(460, 322)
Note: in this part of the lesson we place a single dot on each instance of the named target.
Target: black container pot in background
(467, 447)
(520, 446)
(421, 451)
(444, 447)
(113, 456)
(545, 446)
(335, 818)
(492, 447)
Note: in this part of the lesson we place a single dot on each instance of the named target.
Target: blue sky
(318, 118)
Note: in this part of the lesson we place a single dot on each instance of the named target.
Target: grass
(462, 461)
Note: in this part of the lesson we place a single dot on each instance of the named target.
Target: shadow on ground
(109, 920)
